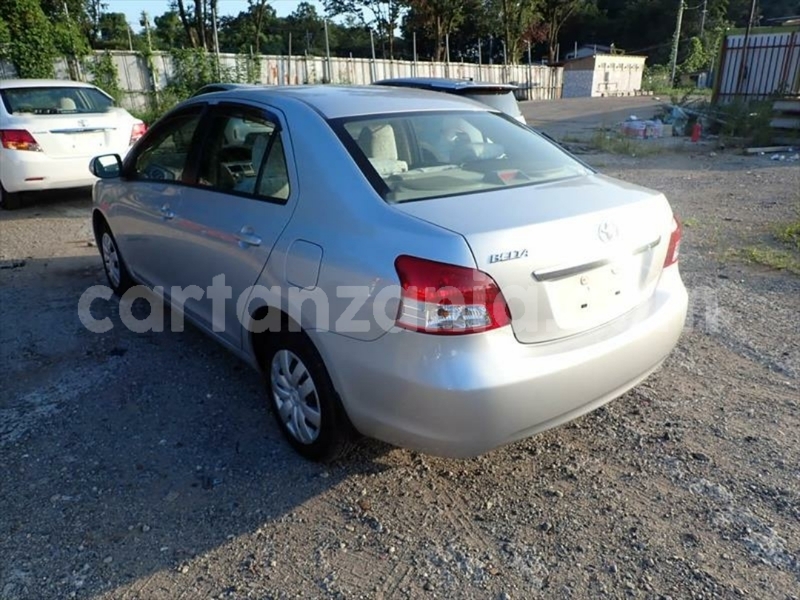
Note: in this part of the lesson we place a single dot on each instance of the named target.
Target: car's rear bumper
(461, 396)
(25, 171)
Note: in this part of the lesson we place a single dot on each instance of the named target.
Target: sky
(133, 8)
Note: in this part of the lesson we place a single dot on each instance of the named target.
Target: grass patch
(782, 260)
(615, 143)
(789, 234)
(690, 222)
(785, 257)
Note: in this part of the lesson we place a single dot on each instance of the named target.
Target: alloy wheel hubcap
(295, 396)
(111, 259)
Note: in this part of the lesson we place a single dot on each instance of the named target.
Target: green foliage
(31, 44)
(104, 74)
(697, 58)
(789, 234)
(656, 78)
(750, 121)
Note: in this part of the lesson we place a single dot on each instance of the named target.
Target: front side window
(244, 154)
(164, 155)
(417, 156)
(57, 100)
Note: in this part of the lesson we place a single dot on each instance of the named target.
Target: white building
(603, 75)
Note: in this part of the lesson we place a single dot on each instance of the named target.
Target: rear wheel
(8, 200)
(116, 272)
(304, 402)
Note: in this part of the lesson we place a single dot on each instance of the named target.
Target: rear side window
(56, 100)
(243, 153)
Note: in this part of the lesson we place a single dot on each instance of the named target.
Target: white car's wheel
(8, 200)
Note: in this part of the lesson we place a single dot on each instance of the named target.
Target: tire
(8, 200)
(303, 401)
(119, 279)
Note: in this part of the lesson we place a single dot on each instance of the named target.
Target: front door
(157, 175)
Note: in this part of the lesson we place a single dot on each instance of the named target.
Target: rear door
(230, 220)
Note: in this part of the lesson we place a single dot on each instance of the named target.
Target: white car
(49, 131)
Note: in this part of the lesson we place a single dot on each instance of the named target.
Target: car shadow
(54, 203)
(125, 454)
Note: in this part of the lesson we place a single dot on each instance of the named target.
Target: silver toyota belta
(404, 264)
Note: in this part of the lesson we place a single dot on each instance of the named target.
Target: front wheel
(303, 400)
(116, 272)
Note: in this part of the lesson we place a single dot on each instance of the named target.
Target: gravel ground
(145, 466)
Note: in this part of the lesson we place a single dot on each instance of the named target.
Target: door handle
(167, 213)
(247, 237)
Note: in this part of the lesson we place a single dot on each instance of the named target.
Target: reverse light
(19, 139)
(673, 250)
(446, 299)
(138, 130)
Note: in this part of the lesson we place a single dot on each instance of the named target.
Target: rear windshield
(55, 100)
(502, 101)
(417, 156)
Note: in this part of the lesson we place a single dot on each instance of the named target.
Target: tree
(517, 16)
(438, 19)
(554, 13)
(31, 47)
(307, 29)
(383, 15)
(169, 32)
(260, 9)
(114, 32)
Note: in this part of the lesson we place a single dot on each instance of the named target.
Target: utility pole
(75, 56)
(703, 18)
(216, 38)
(328, 53)
(676, 41)
(743, 66)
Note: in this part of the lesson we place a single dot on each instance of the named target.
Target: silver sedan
(404, 264)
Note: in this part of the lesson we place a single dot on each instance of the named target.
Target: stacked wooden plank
(785, 121)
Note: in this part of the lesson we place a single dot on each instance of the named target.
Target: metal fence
(760, 66)
(138, 83)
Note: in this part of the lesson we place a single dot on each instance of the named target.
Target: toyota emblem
(607, 231)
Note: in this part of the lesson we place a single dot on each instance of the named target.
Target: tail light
(674, 243)
(446, 299)
(19, 139)
(139, 129)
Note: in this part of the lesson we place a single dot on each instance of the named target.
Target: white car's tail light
(19, 139)
(139, 129)
(447, 299)
(673, 250)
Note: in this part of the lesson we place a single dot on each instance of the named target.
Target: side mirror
(106, 166)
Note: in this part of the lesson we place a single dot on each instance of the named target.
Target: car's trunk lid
(568, 256)
(74, 135)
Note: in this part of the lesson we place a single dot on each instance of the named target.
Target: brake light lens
(673, 250)
(139, 129)
(19, 139)
(446, 299)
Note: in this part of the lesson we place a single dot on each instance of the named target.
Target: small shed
(603, 75)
